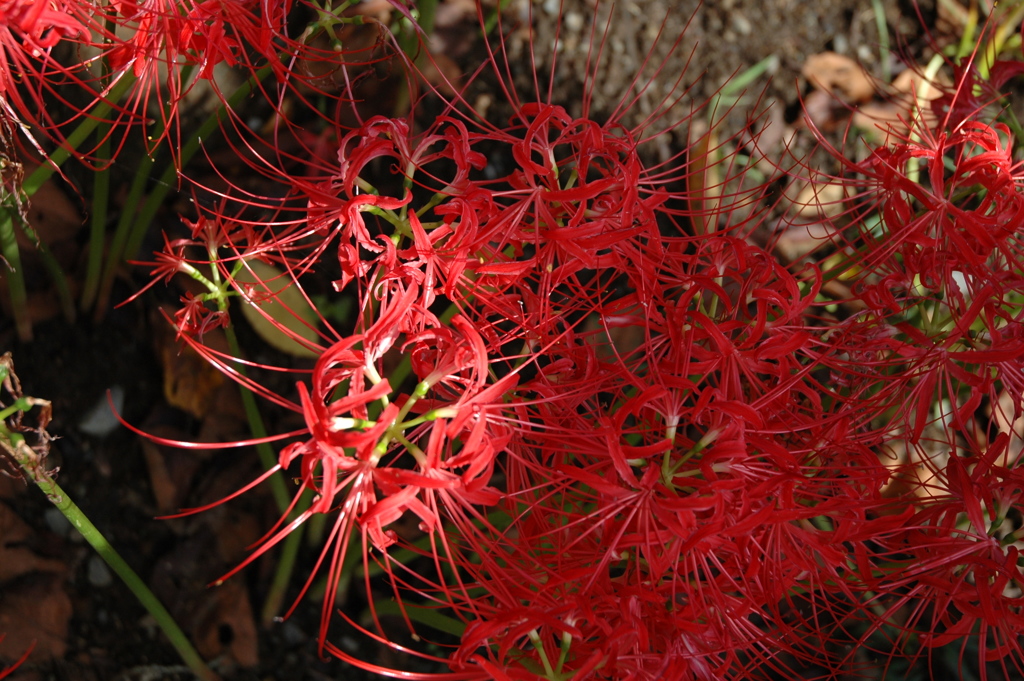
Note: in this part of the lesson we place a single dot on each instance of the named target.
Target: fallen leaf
(818, 199)
(823, 110)
(952, 18)
(884, 123)
(170, 473)
(224, 624)
(51, 214)
(16, 557)
(37, 611)
(840, 76)
(274, 303)
(906, 99)
(219, 620)
(798, 241)
(190, 382)
(455, 12)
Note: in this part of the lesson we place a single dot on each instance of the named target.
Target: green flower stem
(274, 602)
(930, 73)
(89, 123)
(139, 214)
(289, 552)
(429, 616)
(32, 465)
(414, 48)
(149, 601)
(266, 453)
(53, 268)
(116, 249)
(100, 202)
(10, 213)
(218, 292)
(883, 39)
(98, 223)
(12, 268)
(169, 178)
(491, 22)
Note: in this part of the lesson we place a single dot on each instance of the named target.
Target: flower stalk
(32, 461)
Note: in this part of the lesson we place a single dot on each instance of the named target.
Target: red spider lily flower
(195, 318)
(171, 47)
(204, 33)
(971, 93)
(164, 41)
(944, 198)
(677, 506)
(983, 164)
(352, 463)
(634, 443)
(961, 568)
(29, 30)
(41, 24)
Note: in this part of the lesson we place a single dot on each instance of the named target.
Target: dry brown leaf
(908, 99)
(840, 76)
(220, 620)
(823, 110)
(884, 122)
(16, 558)
(190, 382)
(11, 484)
(225, 625)
(1001, 413)
(170, 473)
(38, 612)
(454, 12)
(34, 610)
(798, 241)
(818, 199)
(441, 71)
(51, 214)
(952, 17)
(914, 93)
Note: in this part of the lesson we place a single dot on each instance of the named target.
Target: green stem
(8, 245)
(14, 273)
(100, 202)
(278, 488)
(56, 272)
(59, 498)
(134, 221)
(168, 179)
(266, 453)
(491, 22)
(124, 227)
(883, 39)
(282, 579)
(98, 223)
(89, 123)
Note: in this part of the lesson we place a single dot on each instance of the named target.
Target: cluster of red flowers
(636, 444)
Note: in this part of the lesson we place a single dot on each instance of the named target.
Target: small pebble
(573, 21)
(293, 634)
(100, 421)
(99, 573)
(741, 24)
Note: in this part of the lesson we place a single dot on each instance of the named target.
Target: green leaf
(280, 312)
